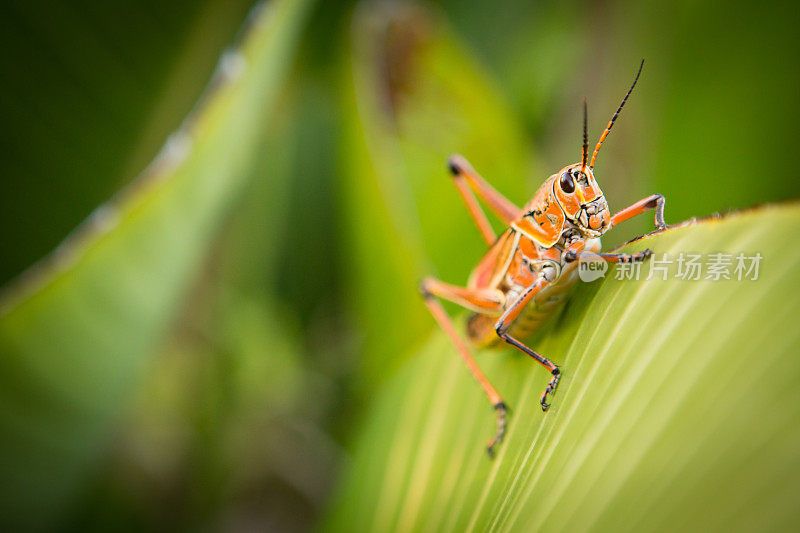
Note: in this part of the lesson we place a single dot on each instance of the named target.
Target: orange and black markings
(528, 270)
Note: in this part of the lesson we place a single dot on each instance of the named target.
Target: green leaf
(412, 95)
(678, 408)
(89, 93)
(77, 330)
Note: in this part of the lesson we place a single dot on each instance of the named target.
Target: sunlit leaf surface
(678, 409)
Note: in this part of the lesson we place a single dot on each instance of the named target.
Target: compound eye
(567, 183)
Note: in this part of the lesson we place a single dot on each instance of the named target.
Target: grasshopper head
(583, 202)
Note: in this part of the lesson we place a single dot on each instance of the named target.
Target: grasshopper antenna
(585, 150)
(611, 122)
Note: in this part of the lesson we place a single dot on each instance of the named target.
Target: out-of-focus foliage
(411, 97)
(677, 409)
(303, 301)
(77, 331)
(90, 92)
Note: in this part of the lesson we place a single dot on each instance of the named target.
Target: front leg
(655, 201)
(508, 318)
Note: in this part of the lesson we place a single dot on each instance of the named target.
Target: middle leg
(505, 321)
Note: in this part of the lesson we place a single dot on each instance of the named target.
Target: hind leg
(499, 204)
(476, 300)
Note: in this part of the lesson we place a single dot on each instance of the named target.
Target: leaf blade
(648, 366)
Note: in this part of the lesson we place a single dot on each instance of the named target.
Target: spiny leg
(480, 301)
(499, 204)
(430, 288)
(611, 257)
(505, 322)
(474, 208)
(655, 201)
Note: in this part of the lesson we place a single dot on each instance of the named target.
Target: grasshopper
(528, 270)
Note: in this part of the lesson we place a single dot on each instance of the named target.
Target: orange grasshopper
(529, 269)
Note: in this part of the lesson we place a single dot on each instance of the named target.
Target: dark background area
(90, 92)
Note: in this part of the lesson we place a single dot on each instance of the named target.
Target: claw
(490, 449)
(551, 388)
(543, 401)
(501, 409)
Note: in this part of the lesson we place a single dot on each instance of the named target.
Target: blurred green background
(298, 296)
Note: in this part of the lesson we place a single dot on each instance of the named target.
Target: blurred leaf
(88, 92)
(308, 269)
(678, 409)
(251, 244)
(535, 49)
(224, 426)
(726, 108)
(76, 332)
(412, 96)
